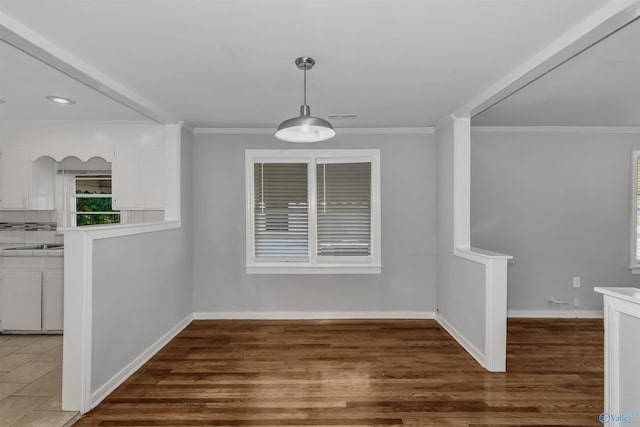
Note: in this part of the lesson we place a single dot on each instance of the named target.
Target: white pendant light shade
(305, 128)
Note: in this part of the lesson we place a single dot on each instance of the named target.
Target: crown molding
(387, 131)
(186, 126)
(443, 121)
(233, 131)
(556, 129)
(340, 131)
(448, 119)
(149, 122)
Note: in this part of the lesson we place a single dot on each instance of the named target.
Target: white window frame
(71, 216)
(313, 265)
(635, 262)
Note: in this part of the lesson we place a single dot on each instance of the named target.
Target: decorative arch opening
(86, 192)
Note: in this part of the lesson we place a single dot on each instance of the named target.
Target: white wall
(142, 286)
(559, 203)
(461, 283)
(407, 282)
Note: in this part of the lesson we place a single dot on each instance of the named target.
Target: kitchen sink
(42, 246)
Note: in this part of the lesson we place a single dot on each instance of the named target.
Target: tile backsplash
(41, 226)
(29, 227)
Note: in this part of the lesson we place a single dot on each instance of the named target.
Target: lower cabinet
(22, 300)
(31, 294)
(52, 300)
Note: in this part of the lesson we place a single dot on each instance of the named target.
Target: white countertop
(624, 293)
(36, 252)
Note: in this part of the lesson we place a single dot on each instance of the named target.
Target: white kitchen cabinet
(32, 290)
(124, 177)
(26, 185)
(15, 177)
(52, 300)
(138, 176)
(0, 180)
(152, 176)
(43, 184)
(22, 300)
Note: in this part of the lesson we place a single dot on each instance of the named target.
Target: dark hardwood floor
(362, 373)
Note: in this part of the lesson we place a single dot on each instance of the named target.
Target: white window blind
(344, 209)
(281, 210)
(313, 211)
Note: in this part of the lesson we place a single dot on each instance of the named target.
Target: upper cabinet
(26, 184)
(138, 176)
(152, 161)
(125, 173)
(42, 184)
(14, 177)
(29, 151)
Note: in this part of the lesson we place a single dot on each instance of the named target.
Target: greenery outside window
(92, 201)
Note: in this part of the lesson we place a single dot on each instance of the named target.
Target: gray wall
(559, 203)
(142, 287)
(408, 194)
(461, 283)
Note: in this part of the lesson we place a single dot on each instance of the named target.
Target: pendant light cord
(305, 85)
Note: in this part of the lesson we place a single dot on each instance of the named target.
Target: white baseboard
(465, 343)
(308, 315)
(108, 387)
(558, 314)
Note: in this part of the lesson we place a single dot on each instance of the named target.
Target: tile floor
(31, 381)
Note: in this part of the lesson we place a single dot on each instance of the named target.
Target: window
(635, 213)
(313, 211)
(91, 201)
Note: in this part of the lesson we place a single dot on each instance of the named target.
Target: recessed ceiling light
(343, 116)
(60, 100)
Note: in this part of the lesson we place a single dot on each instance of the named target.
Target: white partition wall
(472, 283)
(128, 288)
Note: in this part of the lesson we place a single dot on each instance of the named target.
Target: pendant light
(305, 128)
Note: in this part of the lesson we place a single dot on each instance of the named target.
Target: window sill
(635, 269)
(318, 269)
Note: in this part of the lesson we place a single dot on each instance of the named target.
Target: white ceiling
(229, 63)
(599, 87)
(25, 81)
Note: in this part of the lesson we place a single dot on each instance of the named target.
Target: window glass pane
(281, 210)
(344, 209)
(94, 219)
(93, 185)
(94, 210)
(93, 204)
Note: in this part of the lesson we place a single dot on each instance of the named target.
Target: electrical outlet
(576, 282)
(576, 302)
